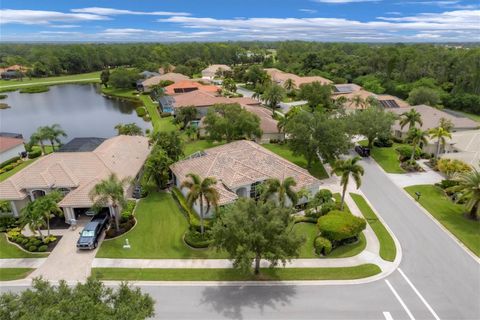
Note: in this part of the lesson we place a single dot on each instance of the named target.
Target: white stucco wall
(11, 153)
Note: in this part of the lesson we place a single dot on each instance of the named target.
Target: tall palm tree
(53, 134)
(411, 118)
(111, 191)
(440, 134)
(48, 206)
(289, 84)
(469, 187)
(358, 102)
(346, 168)
(272, 96)
(417, 136)
(202, 190)
(38, 137)
(283, 190)
(34, 218)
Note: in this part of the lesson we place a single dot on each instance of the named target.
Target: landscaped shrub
(34, 154)
(411, 165)
(445, 184)
(7, 221)
(322, 246)
(450, 167)
(340, 225)
(8, 167)
(9, 161)
(49, 239)
(383, 142)
(309, 219)
(405, 152)
(43, 248)
(127, 212)
(13, 233)
(327, 207)
(195, 239)
(191, 216)
(32, 248)
(141, 111)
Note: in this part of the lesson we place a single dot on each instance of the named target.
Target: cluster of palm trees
(37, 214)
(52, 134)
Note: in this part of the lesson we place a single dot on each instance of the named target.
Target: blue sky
(221, 20)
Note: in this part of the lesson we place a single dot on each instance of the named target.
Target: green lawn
(317, 170)
(199, 145)
(10, 251)
(157, 235)
(84, 77)
(388, 251)
(387, 158)
(345, 273)
(449, 214)
(7, 274)
(129, 94)
(10, 173)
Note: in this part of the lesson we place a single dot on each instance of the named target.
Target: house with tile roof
(239, 168)
(185, 86)
(211, 71)
(145, 85)
(76, 173)
(280, 77)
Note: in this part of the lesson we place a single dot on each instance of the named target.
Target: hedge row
(9, 161)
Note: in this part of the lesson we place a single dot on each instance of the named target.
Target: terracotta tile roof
(467, 146)
(431, 118)
(171, 76)
(242, 163)
(267, 123)
(211, 70)
(200, 98)
(122, 155)
(280, 77)
(7, 143)
(189, 85)
(364, 94)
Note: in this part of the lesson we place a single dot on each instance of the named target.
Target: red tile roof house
(76, 173)
(10, 148)
(239, 168)
(185, 86)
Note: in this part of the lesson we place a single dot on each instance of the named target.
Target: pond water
(79, 109)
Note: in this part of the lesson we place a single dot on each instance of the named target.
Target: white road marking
(387, 315)
(419, 295)
(410, 315)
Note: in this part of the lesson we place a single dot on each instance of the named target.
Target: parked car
(91, 233)
(362, 151)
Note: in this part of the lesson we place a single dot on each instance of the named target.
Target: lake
(79, 109)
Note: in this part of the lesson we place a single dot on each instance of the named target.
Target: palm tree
(440, 133)
(358, 102)
(282, 189)
(345, 169)
(202, 190)
(48, 206)
(273, 95)
(411, 118)
(34, 218)
(110, 192)
(371, 101)
(53, 134)
(38, 137)
(417, 136)
(469, 187)
(289, 84)
(282, 122)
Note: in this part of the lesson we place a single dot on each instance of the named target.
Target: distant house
(279, 77)
(75, 174)
(185, 86)
(239, 168)
(148, 74)
(211, 71)
(155, 80)
(12, 72)
(267, 124)
(431, 119)
(351, 90)
(10, 147)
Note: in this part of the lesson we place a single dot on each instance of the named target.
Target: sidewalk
(414, 178)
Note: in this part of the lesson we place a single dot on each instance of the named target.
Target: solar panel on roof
(389, 103)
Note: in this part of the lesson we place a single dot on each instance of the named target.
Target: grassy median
(267, 274)
(8, 274)
(388, 251)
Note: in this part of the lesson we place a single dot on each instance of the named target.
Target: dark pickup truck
(92, 231)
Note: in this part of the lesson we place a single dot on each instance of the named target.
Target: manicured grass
(10, 173)
(345, 273)
(157, 235)
(387, 158)
(129, 94)
(388, 251)
(200, 145)
(449, 214)
(7, 274)
(10, 251)
(317, 170)
(152, 110)
(84, 77)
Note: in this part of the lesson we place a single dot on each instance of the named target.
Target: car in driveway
(362, 151)
(91, 233)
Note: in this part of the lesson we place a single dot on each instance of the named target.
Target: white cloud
(44, 17)
(112, 12)
(64, 26)
(308, 10)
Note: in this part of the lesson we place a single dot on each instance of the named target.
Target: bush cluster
(322, 246)
(383, 142)
(410, 165)
(7, 221)
(339, 225)
(32, 244)
(34, 154)
(141, 111)
(127, 212)
(196, 240)
(9, 161)
(405, 152)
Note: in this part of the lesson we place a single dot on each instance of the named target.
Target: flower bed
(32, 243)
(127, 221)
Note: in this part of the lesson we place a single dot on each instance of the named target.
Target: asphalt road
(436, 278)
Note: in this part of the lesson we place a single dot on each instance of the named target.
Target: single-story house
(280, 77)
(431, 119)
(351, 90)
(211, 71)
(239, 167)
(10, 147)
(464, 145)
(267, 124)
(203, 100)
(185, 86)
(76, 173)
(155, 80)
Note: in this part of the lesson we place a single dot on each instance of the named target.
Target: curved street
(436, 279)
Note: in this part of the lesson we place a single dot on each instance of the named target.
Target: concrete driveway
(65, 261)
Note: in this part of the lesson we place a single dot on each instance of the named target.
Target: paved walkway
(414, 178)
(22, 263)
